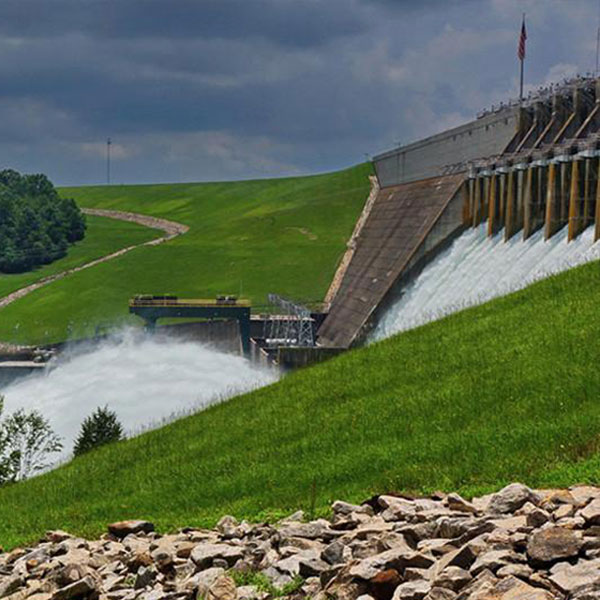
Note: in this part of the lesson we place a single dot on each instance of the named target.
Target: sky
(207, 90)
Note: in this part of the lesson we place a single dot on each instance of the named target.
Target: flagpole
(521, 88)
(522, 62)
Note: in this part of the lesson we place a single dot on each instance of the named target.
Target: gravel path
(170, 228)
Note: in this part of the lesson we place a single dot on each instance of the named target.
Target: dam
(521, 170)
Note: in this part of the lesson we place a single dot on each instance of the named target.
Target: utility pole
(108, 143)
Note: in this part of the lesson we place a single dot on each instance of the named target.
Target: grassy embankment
(103, 236)
(508, 390)
(278, 235)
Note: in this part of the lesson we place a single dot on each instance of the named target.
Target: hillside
(504, 391)
(254, 237)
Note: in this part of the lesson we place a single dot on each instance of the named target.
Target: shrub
(101, 427)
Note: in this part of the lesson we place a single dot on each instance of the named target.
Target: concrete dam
(522, 171)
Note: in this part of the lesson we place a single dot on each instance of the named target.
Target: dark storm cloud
(287, 22)
(213, 89)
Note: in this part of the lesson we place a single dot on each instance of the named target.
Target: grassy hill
(103, 236)
(508, 390)
(254, 237)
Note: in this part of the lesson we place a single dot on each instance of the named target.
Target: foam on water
(475, 269)
(144, 379)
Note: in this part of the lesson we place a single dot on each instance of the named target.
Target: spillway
(477, 268)
(144, 379)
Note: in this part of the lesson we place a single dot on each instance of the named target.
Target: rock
(552, 544)
(163, 559)
(591, 513)
(122, 529)
(535, 516)
(415, 574)
(453, 578)
(204, 579)
(250, 592)
(311, 567)
(518, 570)
(334, 553)
(569, 578)
(398, 558)
(8, 585)
(437, 593)
(494, 560)
(144, 577)
(344, 508)
(563, 511)
(71, 573)
(511, 498)
(229, 528)
(383, 585)
(54, 537)
(223, 588)
(396, 509)
(457, 503)
(204, 555)
(478, 587)
(312, 531)
(412, 590)
(512, 588)
(77, 589)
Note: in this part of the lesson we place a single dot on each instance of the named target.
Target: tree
(36, 224)
(26, 441)
(101, 427)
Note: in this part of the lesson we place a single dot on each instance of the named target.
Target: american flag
(522, 39)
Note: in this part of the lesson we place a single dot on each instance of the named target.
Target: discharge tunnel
(519, 168)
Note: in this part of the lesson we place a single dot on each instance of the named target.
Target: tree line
(36, 224)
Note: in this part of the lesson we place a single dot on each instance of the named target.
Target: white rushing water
(145, 380)
(475, 269)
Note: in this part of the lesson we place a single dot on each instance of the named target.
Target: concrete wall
(406, 223)
(221, 335)
(431, 156)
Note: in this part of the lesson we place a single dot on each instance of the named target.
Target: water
(145, 380)
(475, 269)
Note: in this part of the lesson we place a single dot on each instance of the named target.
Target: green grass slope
(278, 235)
(505, 391)
(103, 236)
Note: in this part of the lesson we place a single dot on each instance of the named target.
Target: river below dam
(146, 380)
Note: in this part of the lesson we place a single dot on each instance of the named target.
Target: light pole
(108, 143)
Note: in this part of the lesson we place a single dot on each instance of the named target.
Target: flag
(522, 39)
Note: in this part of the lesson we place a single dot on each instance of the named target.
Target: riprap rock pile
(516, 544)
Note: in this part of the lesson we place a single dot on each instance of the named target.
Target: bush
(101, 427)
(26, 440)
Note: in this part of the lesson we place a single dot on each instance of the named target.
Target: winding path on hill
(171, 229)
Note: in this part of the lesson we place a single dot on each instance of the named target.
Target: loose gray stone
(122, 529)
(552, 544)
(83, 587)
(203, 555)
(412, 590)
(569, 578)
(453, 578)
(511, 498)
